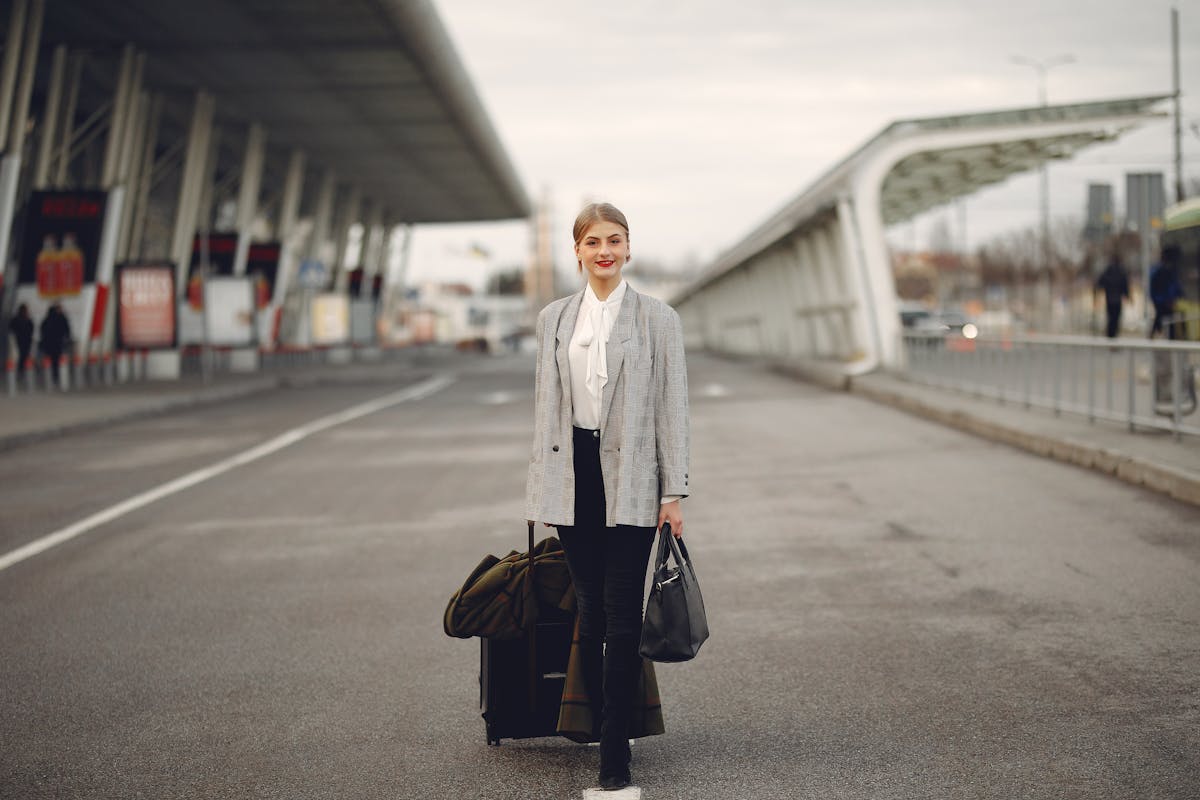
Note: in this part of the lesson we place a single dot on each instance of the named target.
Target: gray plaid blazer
(643, 414)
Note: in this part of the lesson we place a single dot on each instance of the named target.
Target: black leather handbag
(675, 625)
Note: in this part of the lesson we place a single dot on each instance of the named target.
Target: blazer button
(555, 448)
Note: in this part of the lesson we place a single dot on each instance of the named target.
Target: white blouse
(587, 357)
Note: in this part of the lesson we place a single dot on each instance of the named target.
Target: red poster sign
(100, 307)
(146, 306)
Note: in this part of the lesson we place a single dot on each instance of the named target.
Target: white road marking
(715, 390)
(286, 439)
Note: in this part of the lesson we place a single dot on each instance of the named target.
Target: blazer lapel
(621, 333)
(562, 340)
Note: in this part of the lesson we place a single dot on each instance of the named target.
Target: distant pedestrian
(1166, 288)
(1115, 284)
(21, 328)
(54, 335)
(609, 467)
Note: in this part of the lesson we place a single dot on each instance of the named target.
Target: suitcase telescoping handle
(533, 676)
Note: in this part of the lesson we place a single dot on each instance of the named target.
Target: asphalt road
(898, 610)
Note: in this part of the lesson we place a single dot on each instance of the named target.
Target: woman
(610, 459)
(21, 327)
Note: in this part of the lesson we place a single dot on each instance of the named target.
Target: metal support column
(162, 364)
(248, 190)
(20, 111)
(348, 217)
(49, 123)
(120, 117)
(387, 225)
(323, 218)
(194, 177)
(114, 176)
(207, 202)
(132, 126)
(880, 338)
(289, 213)
(12, 60)
(386, 250)
(395, 272)
(372, 240)
(61, 162)
(141, 178)
(23, 39)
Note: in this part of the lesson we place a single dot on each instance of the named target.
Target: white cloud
(700, 117)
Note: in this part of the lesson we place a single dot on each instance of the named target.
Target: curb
(200, 398)
(1178, 484)
(831, 376)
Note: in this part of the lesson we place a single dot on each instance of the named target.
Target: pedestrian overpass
(813, 283)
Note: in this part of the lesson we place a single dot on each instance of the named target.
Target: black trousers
(607, 565)
(1113, 314)
(608, 569)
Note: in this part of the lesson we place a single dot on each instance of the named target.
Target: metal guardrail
(1143, 384)
(75, 373)
(72, 372)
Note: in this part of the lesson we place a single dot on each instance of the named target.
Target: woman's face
(603, 250)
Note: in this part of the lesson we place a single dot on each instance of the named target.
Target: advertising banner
(330, 319)
(59, 250)
(229, 311)
(146, 306)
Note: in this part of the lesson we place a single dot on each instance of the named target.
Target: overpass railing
(1142, 384)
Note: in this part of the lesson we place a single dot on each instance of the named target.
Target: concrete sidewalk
(29, 418)
(1149, 458)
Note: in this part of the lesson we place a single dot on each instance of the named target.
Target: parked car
(911, 316)
(947, 322)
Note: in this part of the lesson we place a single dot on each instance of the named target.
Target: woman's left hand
(671, 512)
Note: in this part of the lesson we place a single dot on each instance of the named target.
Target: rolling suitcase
(521, 680)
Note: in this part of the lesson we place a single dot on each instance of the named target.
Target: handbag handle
(676, 548)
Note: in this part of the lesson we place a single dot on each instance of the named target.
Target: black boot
(622, 666)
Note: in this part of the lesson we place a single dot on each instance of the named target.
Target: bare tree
(941, 237)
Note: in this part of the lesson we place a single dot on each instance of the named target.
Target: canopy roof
(1185, 214)
(935, 177)
(371, 88)
(924, 163)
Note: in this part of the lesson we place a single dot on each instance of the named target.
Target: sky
(700, 118)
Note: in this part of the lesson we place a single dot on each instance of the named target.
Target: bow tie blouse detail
(588, 353)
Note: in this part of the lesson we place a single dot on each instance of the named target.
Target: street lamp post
(1041, 67)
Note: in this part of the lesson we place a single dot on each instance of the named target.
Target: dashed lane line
(286, 439)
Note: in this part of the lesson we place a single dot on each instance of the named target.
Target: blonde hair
(597, 212)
